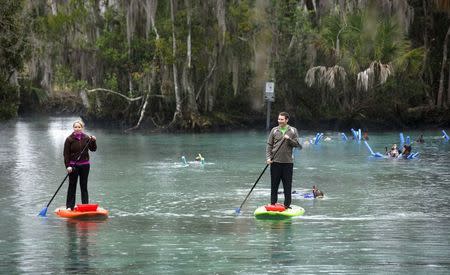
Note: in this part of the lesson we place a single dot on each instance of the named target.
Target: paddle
(238, 210)
(43, 212)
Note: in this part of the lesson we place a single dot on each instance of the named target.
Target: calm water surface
(379, 216)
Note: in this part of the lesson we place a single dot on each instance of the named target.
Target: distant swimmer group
(199, 159)
(394, 152)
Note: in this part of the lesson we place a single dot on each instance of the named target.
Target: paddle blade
(43, 212)
(238, 210)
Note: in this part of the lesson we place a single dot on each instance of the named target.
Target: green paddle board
(262, 213)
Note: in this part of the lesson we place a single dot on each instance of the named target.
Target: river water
(378, 216)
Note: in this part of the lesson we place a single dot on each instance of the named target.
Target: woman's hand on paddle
(69, 169)
(286, 137)
(93, 138)
(269, 161)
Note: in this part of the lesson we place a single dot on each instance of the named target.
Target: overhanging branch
(130, 99)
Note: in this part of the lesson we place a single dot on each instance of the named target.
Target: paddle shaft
(265, 168)
(262, 173)
(78, 159)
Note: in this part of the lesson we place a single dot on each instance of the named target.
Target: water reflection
(81, 236)
(281, 247)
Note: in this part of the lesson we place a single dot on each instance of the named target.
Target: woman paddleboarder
(76, 160)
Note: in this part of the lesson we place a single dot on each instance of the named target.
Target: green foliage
(119, 57)
(363, 37)
(240, 29)
(88, 48)
(63, 76)
(14, 46)
(112, 45)
(111, 82)
(65, 22)
(286, 17)
(66, 81)
(9, 101)
(32, 99)
(296, 34)
(14, 49)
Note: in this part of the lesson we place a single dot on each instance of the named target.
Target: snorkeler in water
(316, 192)
(393, 153)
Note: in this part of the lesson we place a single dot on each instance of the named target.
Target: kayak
(277, 212)
(83, 211)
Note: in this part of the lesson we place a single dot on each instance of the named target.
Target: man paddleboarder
(282, 139)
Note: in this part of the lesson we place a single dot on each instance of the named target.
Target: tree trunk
(131, 7)
(188, 22)
(150, 9)
(46, 81)
(212, 64)
(448, 90)
(426, 45)
(178, 113)
(54, 7)
(235, 74)
(220, 15)
(441, 79)
(187, 75)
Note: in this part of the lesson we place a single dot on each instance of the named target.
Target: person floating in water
(420, 139)
(199, 158)
(366, 135)
(316, 192)
(393, 153)
(406, 151)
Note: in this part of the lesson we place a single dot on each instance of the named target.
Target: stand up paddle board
(83, 211)
(278, 212)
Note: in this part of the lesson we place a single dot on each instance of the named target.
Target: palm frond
(376, 73)
(325, 77)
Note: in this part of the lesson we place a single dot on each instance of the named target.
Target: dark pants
(283, 172)
(81, 171)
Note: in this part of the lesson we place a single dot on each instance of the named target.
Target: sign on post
(269, 96)
(270, 92)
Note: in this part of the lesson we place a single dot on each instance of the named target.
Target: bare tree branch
(119, 94)
(206, 80)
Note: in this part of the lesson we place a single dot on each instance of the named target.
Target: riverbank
(66, 104)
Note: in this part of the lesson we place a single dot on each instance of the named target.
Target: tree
(13, 51)
(366, 47)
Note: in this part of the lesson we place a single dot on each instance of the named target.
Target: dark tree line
(192, 64)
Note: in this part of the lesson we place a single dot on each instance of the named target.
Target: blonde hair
(79, 122)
